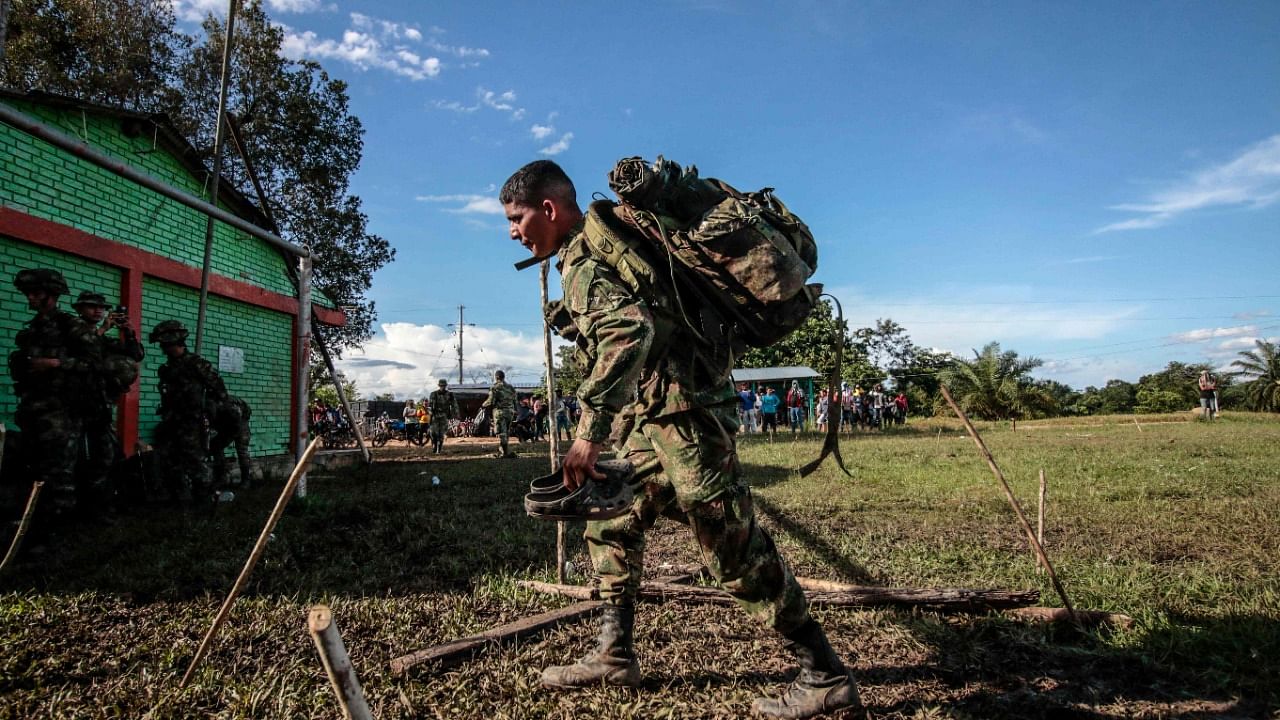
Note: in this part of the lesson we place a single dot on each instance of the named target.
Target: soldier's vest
(44, 338)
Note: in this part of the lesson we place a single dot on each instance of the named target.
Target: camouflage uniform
(502, 400)
(50, 401)
(230, 425)
(190, 393)
(120, 358)
(444, 407)
(643, 362)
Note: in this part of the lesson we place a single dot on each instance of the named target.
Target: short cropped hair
(537, 181)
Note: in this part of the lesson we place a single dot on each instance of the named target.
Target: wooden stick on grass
(258, 547)
(23, 524)
(1008, 493)
(1135, 422)
(337, 664)
(1040, 519)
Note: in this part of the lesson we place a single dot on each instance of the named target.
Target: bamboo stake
(1135, 422)
(553, 441)
(337, 664)
(258, 547)
(23, 524)
(1040, 519)
(1008, 493)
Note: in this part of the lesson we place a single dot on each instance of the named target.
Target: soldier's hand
(580, 463)
(41, 364)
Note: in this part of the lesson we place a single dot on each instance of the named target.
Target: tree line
(993, 384)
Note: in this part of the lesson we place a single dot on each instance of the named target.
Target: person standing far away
(1208, 395)
(747, 403)
(444, 407)
(795, 407)
(120, 358)
(190, 393)
(682, 437)
(501, 403)
(562, 420)
(56, 358)
(769, 404)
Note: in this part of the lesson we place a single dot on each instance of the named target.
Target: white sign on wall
(230, 359)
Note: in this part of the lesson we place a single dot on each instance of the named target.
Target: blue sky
(1094, 184)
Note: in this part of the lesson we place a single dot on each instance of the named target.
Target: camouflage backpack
(745, 256)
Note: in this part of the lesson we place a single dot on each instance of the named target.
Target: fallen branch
(457, 650)
(22, 524)
(1086, 618)
(258, 547)
(943, 599)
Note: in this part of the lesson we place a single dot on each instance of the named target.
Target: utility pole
(460, 326)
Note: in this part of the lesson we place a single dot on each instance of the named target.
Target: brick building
(145, 251)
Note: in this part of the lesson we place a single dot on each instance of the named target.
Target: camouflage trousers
(101, 451)
(698, 482)
(439, 428)
(502, 422)
(181, 448)
(52, 440)
(241, 438)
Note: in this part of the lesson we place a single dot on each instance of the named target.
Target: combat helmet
(91, 298)
(41, 280)
(168, 332)
(443, 382)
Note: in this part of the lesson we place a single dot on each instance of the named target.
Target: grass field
(1173, 523)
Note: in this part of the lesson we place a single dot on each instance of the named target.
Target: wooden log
(943, 599)
(298, 471)
(1088, 618)
(457, 650)
(337, 664)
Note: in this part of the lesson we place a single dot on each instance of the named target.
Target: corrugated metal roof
(795, 372)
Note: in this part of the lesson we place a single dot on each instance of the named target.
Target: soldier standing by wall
(120, 358)
(190, 393)
(502, 403)
(444, 407)
(57, 356)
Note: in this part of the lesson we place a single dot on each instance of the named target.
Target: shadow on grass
(814, 542)
(999, 668)
(358, 532)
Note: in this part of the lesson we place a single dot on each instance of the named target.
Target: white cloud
(1203, 334)
(541, 131)
(1250, 180)
(504, 102)
(299, 6)
(470, 204)
(197, 10)
(373, 43)
(558, 146)
(406, 359)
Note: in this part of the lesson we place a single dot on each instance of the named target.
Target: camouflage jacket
(502, 398)
(190, 388)
(443, 404)
(59, 335)
(638, 353)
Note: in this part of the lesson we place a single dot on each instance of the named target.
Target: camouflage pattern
(674, 390)
(50, 412)
(230, 426)
(190, 393)
(443, 407)
(120, 358)
(502, 399)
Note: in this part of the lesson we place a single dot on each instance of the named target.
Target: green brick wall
(263, 335)
(41, 180)
(81, 275)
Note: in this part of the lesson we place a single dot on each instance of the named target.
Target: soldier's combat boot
(613, 662)
(823, 685)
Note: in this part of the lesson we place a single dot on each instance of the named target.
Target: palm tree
(996, 385)
(1262, 368)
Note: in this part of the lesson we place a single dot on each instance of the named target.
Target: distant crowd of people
(761, 412)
